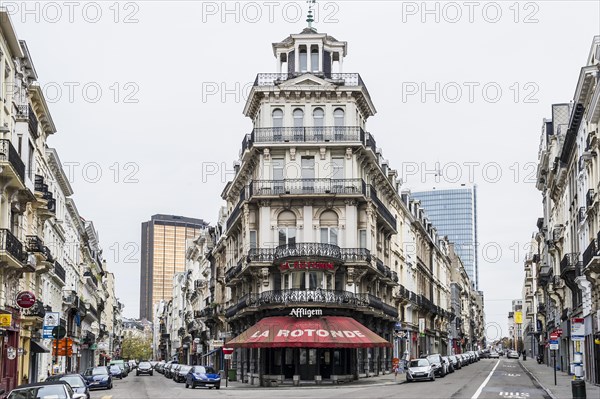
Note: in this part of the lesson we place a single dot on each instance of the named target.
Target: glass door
(308, 174)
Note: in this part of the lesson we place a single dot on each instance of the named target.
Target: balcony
(589, 198)
(355, 255)
(11, 250)
(307, 249)
(311, 135)
(60, 271)
(345, 79)
(544, 275)
(91, 278)
(320, 297)
(232, 272)
(37, 310)
(263, 255)
(568, 264)
(591, 256)
(235, 214)
(383, 210)
(32, 122)
(42, 189)
(380, 266)
(307, 187)
(12, 166)
(34, 244)
(581, 215)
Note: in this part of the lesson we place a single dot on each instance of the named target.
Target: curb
(328, 386)
(533, 377)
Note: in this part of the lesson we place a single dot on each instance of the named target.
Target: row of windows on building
(318, 116)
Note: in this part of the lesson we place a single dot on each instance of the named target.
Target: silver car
(420, 369)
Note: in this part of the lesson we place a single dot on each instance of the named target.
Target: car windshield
(185, 369)
(73, 381)
(115, 368)
(99, 371)
(144, 364)
(204, 370)
(419, 363)
(48, 391)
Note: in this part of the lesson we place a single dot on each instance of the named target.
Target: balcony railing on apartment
(234, 215)
(11, 244)
(304, 249)
(545, 275)
(32, 122)
(34, 244)
(60, 271)
(233, 271)
(383, 210)
(10, 155)
(273, 135)
(590, 252)
(271, 79)
(91, 277)
(569, 263)
(589, 198)
(307, 187)
(316, 296)
(355, 254)
(261, 254)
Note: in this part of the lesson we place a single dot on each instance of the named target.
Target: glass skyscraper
(453, 213)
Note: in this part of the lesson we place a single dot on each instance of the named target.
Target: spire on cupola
(310, 19)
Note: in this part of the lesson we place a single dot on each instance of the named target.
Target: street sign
(227, 351)
(59, 332)
(25, 299)
(5, 320)
(553, 345)
(577, 329)
(553, 336)
(227, 356)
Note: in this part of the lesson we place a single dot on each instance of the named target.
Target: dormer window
(303, 59)
(314, 58)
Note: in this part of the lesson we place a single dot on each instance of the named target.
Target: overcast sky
(137, 91)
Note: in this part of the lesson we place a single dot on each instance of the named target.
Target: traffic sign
(25, 299)
(227, 351)
(553, 336)
(227, 356)
(577, 329)
(59, 332)
(553, 347)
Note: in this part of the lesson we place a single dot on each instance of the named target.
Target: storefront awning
(317, 332)
(37, 347)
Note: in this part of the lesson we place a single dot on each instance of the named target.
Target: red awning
(317, 332)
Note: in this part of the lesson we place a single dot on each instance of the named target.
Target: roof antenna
(310, 18)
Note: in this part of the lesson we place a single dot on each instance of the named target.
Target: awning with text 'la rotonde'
(314, 332)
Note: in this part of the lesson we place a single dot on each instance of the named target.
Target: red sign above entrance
(25, 299)
(302, 265)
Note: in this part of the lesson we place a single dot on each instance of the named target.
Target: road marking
(513, 375)
(516, 395)
(484, 383)
(106, 397)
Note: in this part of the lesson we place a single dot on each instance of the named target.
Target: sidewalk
(387, 379)
(545, 377)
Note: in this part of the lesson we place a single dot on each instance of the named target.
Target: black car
(76, 381)
(144, 368)
(181, 373)
(436, 360)
(49, 389)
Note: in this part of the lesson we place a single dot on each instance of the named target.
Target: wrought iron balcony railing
(10, 155)
(311, 249)
(32, 122)
(60, 271)
(293, 297)
(590, 252)
(380, 266)
(273, 135)
(34, 244)
(569, 263)
(233, 271)
(383, 210)
(355, 254)
(11, 244)
(307, 187)
(91, 276)
(544, 275)
(261, 254)
(346, 79)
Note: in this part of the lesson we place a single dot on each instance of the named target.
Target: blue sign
(47, 332)
(553, 342)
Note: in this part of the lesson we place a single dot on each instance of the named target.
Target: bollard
(296, 380)
(578, 389)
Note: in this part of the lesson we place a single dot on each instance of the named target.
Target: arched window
(338, 123)
(329, 227)
(277, 117)
(286, 223)
(318, 123)
(314, 58)
(298, 118)
(303, 59)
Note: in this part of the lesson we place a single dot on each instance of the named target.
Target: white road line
(478, 392)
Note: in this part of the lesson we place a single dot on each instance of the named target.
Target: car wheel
(110, 386)
(151, 374)
(218, 387)
(137, 374)
(186, 385)
(432, 377)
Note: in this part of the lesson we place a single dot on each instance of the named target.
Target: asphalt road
(488, 378)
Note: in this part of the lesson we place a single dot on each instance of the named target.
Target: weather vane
(310, 18)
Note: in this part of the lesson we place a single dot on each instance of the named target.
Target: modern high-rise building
(453, 213)
(163, 254)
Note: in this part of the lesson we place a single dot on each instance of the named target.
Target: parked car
(494, 355)
(441, 367)
(420, 369)
(202, 376)
(98, 377)
(76, 381)
(153, 363)
(168, 369)
(449, 364)
(181, 373)
(455, 362)
(173, 371)
(132, 364)
(47, 389)
(512, 355)
(116, 371)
